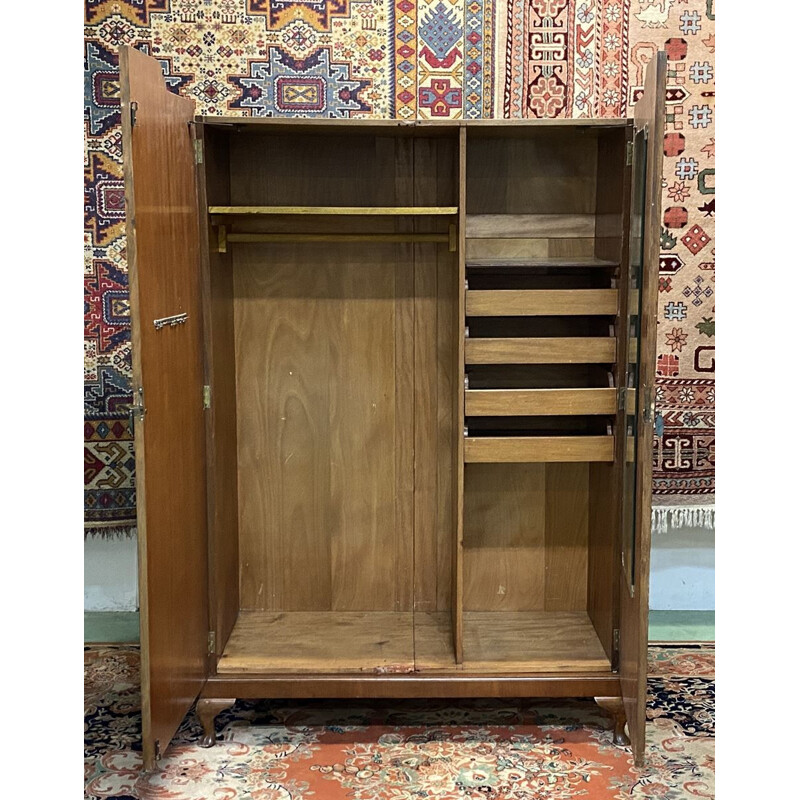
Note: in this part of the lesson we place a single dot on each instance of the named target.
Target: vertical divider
(458, 415)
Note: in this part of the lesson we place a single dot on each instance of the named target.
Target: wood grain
(541, 350)
(305, 643)
(531, 449)
(456, 683)
(531, 641)
(530, 248)
(221, 445)
(649, 113)
(504, 537)
(540, 402)
(317, 642)
(567, 514)
(291, 167)
(318, 361)
(602, 584)
(433, 641)
(458, 410)
(530, 226)
(338, 238)
(164, 279)
(425, 411)
(541, 302)
(538, 172)
(533, 262)
(335, 210)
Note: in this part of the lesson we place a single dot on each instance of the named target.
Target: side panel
(634, 574)
(162, 231)
(221, 442)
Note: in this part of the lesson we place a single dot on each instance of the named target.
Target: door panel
(162, 242)
(644, 255)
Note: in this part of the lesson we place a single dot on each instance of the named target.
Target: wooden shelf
(545, 350)
(525, 226)
(532, 641)
(359, 211)
(537, 449)
(522, 263)
(383, 642)
(539, 402)
(320, 641)
(541, 302)
(379, 642)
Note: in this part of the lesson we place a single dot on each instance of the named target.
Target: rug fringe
(109, 532)
(666, 518)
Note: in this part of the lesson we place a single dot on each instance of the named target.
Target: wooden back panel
(162, 230)
(344, 463)
(322, 418)
(532, 194)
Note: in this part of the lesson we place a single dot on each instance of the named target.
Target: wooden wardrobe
(393, 404)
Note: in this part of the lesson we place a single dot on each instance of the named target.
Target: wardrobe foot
(207, 710)
(615, 707)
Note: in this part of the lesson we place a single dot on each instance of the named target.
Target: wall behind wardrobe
(433, 59)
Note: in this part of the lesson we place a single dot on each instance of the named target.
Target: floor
(487, 749)
(665, 626)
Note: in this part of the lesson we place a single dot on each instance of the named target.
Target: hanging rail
(224, 236)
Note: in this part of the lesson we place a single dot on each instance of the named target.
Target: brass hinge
(134, 106)
(136, 409)
(206, 397)
(628, 154)
(649, 405)
(212, 643)
(198, 151)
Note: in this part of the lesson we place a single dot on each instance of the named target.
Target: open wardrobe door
(162, 242)
(648, 150)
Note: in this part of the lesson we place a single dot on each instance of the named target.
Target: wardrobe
(393, 404)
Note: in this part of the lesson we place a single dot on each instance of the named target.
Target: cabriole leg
(207, 710)
(615, 707)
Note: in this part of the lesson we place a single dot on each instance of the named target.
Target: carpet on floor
(406, 750)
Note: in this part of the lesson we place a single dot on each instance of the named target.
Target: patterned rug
(412, 59)
(407, 750)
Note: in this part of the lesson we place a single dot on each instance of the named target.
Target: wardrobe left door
(169, 428)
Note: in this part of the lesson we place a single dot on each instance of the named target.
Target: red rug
(407, 750)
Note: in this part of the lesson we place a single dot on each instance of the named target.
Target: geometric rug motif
(407, 59)
(684, 449)
(406, 749)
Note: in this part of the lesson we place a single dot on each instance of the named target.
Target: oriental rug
(407, 750)
(432, 59)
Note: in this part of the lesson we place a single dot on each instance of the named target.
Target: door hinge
(628, 154)
(206, 397)
(622, 396)
(134, 107)
(198, 151)
(649, 405)
(212, 642)
(615, 650)
(136, 409)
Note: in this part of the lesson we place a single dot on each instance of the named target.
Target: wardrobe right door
(645, 227)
